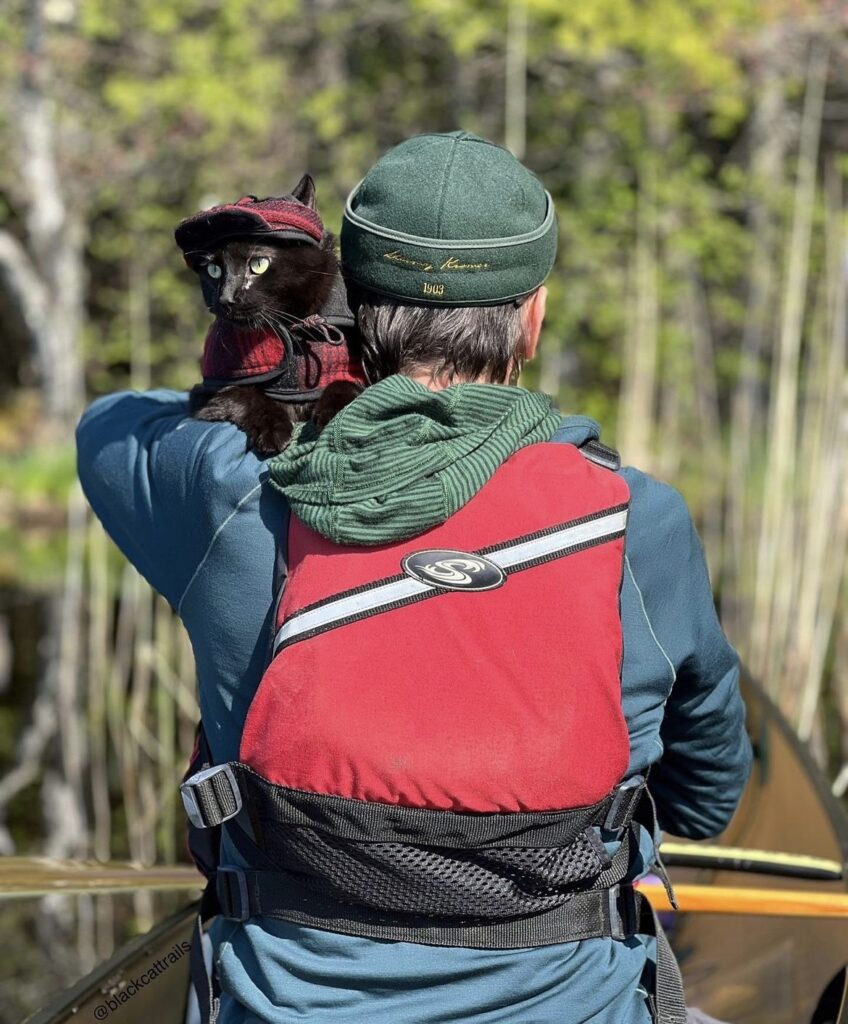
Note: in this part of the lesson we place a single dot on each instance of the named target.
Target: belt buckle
(232, 882)
(622, 911)
(624, 795)
(193, 807)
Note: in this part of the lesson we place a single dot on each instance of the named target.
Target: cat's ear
(304, 191)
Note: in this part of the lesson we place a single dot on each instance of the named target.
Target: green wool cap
(449, 220)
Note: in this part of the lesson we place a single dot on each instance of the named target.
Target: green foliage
(40, 474)
(36, 482)
(637, 113)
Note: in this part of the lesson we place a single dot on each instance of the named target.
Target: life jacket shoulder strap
(592, 449)
(600, 454)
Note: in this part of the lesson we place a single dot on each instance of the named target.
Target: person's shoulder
(163, 400)
(153, 433)
(661, 538)
(651, 500)
(129, 421)
(655, 500)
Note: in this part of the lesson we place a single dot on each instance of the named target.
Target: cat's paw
(267, 424)
(335, 397)
(212, 406)
(270, 437)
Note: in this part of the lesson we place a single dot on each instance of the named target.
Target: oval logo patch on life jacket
(453, 570)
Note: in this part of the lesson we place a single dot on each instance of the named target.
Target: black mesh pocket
(546, 872)
(481, 884)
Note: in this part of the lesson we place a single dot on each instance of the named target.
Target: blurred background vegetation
(696, 152)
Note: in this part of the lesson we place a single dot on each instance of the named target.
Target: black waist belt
(612, 912)
(494, 880)
(468, 879)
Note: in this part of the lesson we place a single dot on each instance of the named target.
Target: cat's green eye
(259, 264)
(213, 270)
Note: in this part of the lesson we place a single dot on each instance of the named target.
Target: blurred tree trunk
(768, 146)
(638, 396)
(515, 100)
(772, 611)
(42, 277)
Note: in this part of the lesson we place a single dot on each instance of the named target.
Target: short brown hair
(472, 342)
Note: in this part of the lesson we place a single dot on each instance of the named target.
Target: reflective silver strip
(567, 537)
(367, 601)
(400, 590)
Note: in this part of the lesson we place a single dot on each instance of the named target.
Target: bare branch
(23, 288)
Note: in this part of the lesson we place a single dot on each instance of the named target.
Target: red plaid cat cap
(275, 217)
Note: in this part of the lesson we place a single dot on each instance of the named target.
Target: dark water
(49, 944)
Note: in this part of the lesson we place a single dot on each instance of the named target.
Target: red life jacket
(437, 749)
(482, 675)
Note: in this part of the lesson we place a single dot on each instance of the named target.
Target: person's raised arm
(707, 755)
(162, 483)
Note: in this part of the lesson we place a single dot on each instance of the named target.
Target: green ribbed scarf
(400, 459)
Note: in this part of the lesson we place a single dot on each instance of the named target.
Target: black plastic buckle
(601, 454)
(208, 781)
(231, 885)
(622, 911)
(623, 804)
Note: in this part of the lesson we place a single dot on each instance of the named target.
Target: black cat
(283, 347)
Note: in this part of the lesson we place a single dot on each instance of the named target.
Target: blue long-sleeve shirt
(189, 508)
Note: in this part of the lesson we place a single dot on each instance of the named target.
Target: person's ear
(534, 315)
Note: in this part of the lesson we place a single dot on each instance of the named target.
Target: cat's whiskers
(315, 331)
(281, 314)
(266, 322)
(275, 327)
(320, 273)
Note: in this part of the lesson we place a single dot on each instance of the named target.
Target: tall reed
(771, 497)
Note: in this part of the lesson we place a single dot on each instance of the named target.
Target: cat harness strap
(437, 751)
(293, 362)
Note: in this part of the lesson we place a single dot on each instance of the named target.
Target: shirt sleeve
(707, 754)
(162, 483)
